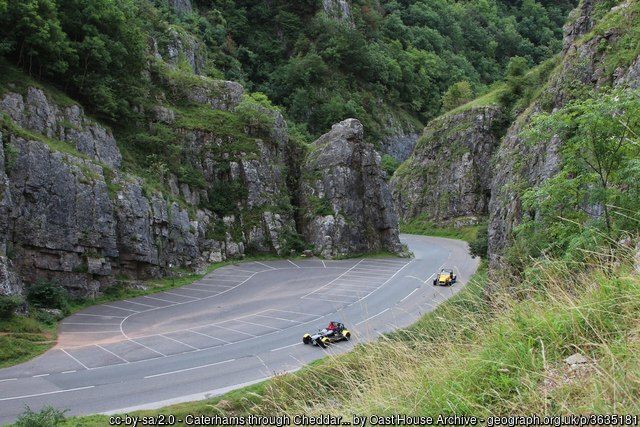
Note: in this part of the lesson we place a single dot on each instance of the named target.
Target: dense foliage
(387, 57)
(596, 196)
(384, 58)
(95, 49)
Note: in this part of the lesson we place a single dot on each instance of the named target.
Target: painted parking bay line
(26, 396)
(189, 369)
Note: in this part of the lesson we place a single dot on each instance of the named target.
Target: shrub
(389, 164)
(45, 294)
(8, 305)
(46, 417)
(480, 246)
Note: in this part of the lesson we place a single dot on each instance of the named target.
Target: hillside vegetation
(318, 60)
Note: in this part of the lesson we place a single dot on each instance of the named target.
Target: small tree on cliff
(599, 183)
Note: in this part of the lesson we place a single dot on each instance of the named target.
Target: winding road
(238, 325)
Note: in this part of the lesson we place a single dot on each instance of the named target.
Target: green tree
(458, 94)
(598, 183)
(34, 37)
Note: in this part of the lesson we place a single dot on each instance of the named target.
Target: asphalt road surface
(240, 324)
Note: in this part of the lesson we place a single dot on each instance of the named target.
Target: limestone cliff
(448, 176)
(595, 56)
(345, 199)
(68, 213)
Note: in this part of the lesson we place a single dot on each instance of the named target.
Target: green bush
(480, 246)
(389, 164)
(46, 417)
(8, 305)
(43, 294)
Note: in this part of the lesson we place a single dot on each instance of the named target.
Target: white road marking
(180, 295)
(211, 285)
(200, 290)
(139, 303)
(286, 346)
(8, 379)
(222, 279)
(233, 330)
(160, 299)
(337, 292)
(92, 332)
(41, 375)
(323, 264)
(244, 271)
(257, 324)
(334, 280)
(292, 312)
(109, 351)
(268, 266)
(327, 299)
(79, 362)
(100, 315)
(209, 336)
(90, 324)
(358, 285)
(148, 348)
(413, 292)
(189, 369)
(363, 275)
(45, 394)
(366, 320)
(179, 342)
(293, 263)
(120, 308)
(263, 364)
(69, 372)
(278, 318)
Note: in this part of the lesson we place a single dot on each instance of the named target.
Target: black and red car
(333, 332)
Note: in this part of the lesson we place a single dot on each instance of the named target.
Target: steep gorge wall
(68, 213)
(463, 167)
(448, 176)
(590, 60)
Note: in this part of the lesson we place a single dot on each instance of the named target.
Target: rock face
(68, 214)
(345, 199)
(34, 111)
(449, 174)
(400, 139)
(519, 165)
(339, 10)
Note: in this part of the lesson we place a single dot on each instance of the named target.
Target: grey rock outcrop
(64, 216)
(339, 10)
(218, 94)
(519, 165)
(60, 217)
(346, 202)
(185, 47)
(449, 174)
(35, 111)
(400, 139)
(181, 7)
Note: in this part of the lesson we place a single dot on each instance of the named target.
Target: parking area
(95, 337)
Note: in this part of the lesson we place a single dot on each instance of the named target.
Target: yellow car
(446, 277)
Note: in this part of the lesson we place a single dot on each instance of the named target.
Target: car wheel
(306, 339)
(435, 282)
